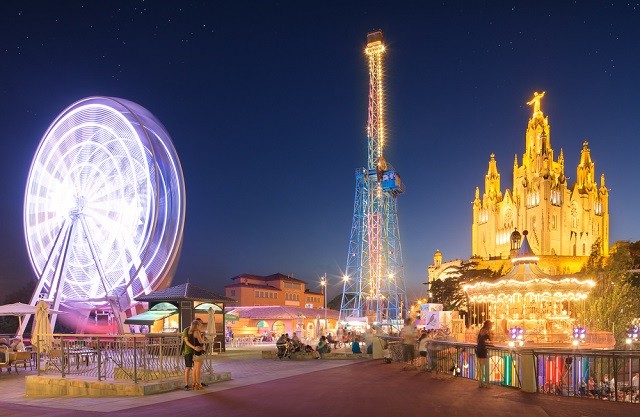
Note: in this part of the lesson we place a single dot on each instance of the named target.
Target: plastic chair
(23, 358)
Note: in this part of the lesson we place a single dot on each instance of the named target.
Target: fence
(459, 359)
(603, 375)
(608, 375)
(138, 358)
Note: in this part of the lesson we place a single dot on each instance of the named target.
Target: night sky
(266, 103)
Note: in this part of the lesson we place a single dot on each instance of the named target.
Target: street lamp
(428, 293)
(323, 282)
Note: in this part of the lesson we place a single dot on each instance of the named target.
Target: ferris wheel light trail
(104, 207)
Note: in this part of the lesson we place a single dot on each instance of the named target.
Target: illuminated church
(565, 221)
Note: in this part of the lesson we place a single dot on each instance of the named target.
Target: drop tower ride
(374, 286)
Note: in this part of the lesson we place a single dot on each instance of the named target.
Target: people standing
(484, 336)
(188, 351)
(408, 334)
(198, 355)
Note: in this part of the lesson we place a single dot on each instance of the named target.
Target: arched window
(279, 327)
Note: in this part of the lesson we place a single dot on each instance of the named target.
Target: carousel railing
(594, 339)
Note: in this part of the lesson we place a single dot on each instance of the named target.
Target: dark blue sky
(266, 103)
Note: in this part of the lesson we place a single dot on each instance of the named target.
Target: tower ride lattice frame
(374, 284)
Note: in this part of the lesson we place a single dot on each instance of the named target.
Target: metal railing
(612, 375)
(591, 374)
(138, 358)
(459, 359)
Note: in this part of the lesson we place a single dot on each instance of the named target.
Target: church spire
(492, 180)
(586, 170)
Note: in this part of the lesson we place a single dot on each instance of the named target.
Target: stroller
(387, 357)
(284, 351)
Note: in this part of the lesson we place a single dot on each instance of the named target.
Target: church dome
(515, 236)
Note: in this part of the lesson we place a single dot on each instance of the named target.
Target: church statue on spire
(535, 101)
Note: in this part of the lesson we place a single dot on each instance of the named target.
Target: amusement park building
(272, 290)
(277, 304)
(565, 221)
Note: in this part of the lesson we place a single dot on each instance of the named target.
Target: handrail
(590, 373)
(139, 357)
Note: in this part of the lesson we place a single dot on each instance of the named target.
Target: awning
(149, 317)
(204, 307)
(231, 317)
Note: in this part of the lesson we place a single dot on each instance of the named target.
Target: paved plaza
(310, 388)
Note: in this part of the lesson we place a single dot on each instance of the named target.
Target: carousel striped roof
(527, 277)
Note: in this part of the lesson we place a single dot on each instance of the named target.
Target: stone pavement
(266, 387)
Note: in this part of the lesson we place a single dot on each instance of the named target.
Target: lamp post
(427, 284)
(323, 282)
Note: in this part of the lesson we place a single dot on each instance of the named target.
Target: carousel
(531, 307)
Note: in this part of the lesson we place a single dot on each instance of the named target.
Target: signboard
(431, 320)
(434, 318)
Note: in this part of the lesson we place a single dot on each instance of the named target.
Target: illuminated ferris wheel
(104, 207)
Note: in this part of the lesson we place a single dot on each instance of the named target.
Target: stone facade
(563, 220)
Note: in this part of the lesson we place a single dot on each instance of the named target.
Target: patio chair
(24, 359)
(5, 358)
(52, 360)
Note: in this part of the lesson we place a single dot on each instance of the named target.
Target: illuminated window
(597, 207)
(556, 197)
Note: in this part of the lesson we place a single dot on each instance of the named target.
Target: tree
(335, 303)
(615, 301)
(449, 292)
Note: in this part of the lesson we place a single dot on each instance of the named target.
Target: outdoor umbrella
(211, 327)
(20, 310)
(41, 335)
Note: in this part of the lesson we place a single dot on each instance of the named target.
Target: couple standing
(194, 353)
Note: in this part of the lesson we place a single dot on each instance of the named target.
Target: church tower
(562, 220)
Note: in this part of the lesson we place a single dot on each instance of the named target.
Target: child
(422, 348)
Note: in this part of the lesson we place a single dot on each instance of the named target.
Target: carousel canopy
(527, 280)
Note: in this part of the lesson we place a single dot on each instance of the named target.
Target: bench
(271, 354)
